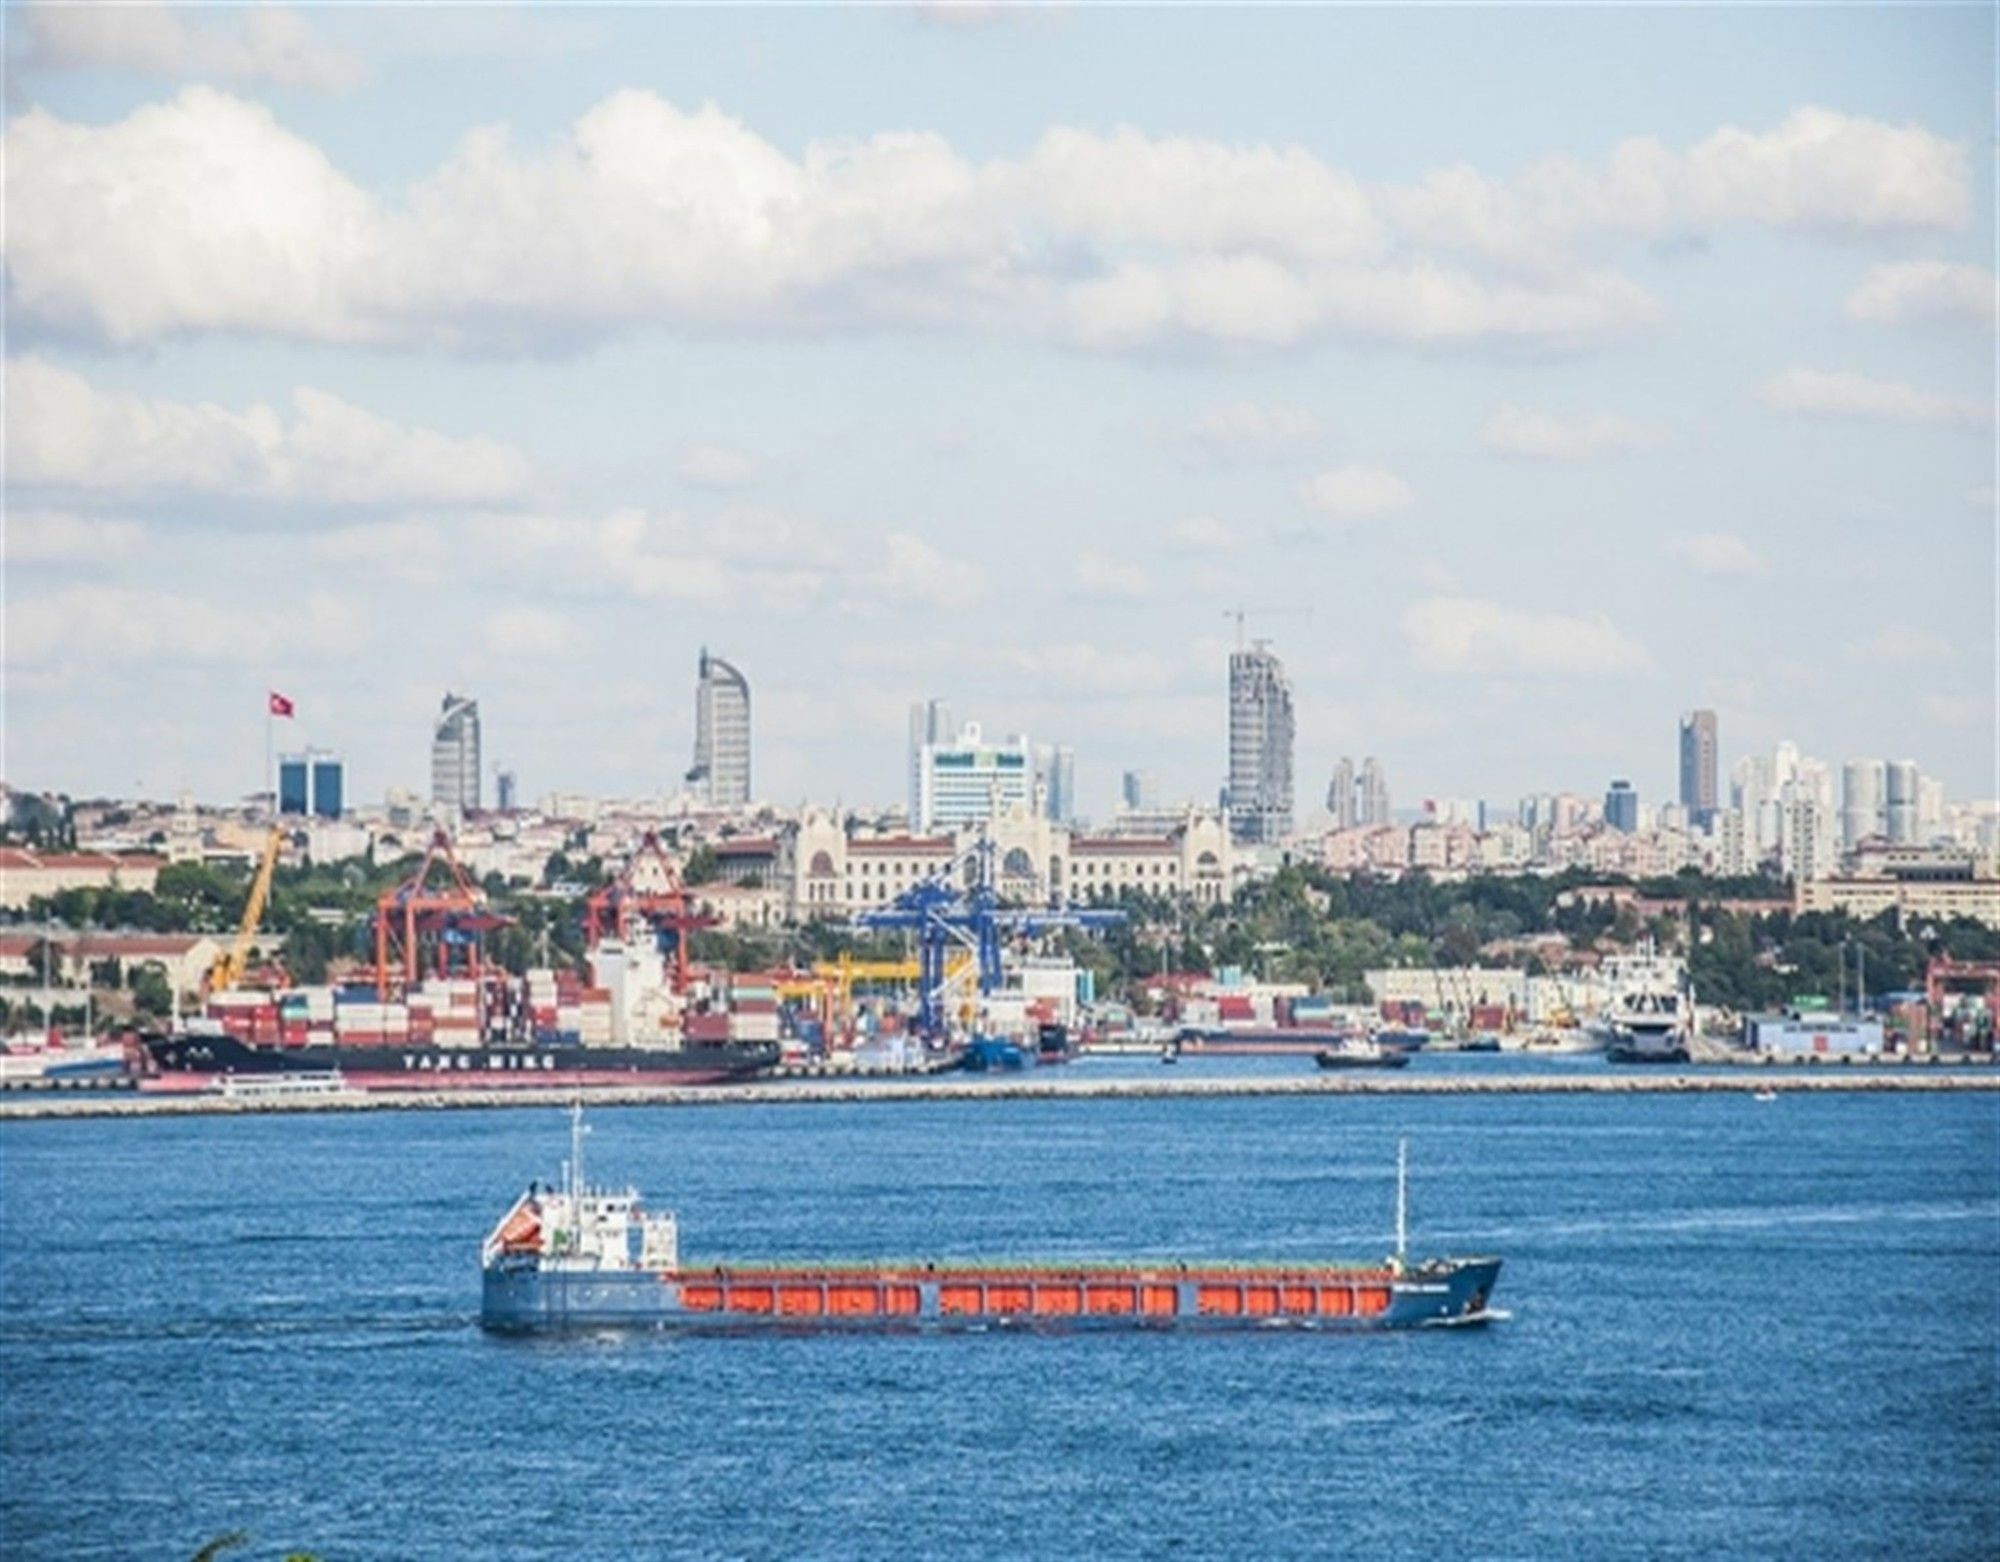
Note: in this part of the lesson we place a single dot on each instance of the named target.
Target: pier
(1816, 1080)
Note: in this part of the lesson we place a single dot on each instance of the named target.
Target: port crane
(440, 925)
(648, 888)
(957, 911)
(230, 965)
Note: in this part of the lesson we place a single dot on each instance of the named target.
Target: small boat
(1361, 1054)
(1765, 1094)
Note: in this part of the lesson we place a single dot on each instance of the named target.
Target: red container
(1234, 1007)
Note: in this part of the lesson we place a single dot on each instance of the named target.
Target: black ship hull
(194, 1062)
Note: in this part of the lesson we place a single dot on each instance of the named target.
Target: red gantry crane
(436, 929)
(649, 889)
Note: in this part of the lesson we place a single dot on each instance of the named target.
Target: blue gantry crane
(956, 911)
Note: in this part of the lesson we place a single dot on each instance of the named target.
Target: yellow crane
(231, 963)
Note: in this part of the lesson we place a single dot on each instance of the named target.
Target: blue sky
(1529, 375)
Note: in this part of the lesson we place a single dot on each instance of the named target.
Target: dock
(888, 1091)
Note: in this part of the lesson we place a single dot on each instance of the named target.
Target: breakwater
(1069, 1087)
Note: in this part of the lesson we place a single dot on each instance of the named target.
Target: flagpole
(270, 774)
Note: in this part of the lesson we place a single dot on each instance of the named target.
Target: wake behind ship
(578, 1256)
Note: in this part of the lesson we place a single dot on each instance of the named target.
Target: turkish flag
(280, 706)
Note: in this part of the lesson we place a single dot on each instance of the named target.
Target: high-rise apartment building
(1900, 801)
(1621, 807)
(1863, 800)
(967, 780)
(720, 774)
(1259, 794)
(455, 754)
(1698, 790)
(1340, 794)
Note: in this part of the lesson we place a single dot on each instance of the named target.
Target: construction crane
(951, 913)
(440, 926)
(649, 888)
(229, 966)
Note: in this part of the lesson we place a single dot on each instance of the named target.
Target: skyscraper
(1698, 793)
(503, 790)
(930, 722)
(1340, 794)
(1138, 791)
(1864, 787)
(1371, 804)
(1901, 807)
(1260, 747)
(720, 773)
(1621, 807)
(1059, 782)
(455, 754)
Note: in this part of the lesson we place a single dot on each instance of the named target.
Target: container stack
(754, 1011)
(372, 1024)
(248, 1016)
(593, 1016)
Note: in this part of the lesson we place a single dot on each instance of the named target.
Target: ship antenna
(1402, 1199)
(576, 1148)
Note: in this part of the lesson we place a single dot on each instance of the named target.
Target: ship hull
(181, 1064)
(1444, 1293)
(1247, 1043)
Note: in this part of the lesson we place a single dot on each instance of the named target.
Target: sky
(1526, 376)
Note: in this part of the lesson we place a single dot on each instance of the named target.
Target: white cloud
(1926, 290)
(1184, 193)
(913, 571)
(1079, 667)
(1718, 553)
(204, 213)
(265, 43)
(1906, 645)
(1102, 575)
(123, 624)
(1470, 635)
(1248, 431)
(1818, 172)
(1839, 395)
(64, 433)
(1515, 432)
(1959, 710)
(58, 537)
(1353, 491)
(1203, 534)
(715, 466)
(405, 550)
(527, 631)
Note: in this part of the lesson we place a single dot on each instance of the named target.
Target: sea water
(1738, 1328)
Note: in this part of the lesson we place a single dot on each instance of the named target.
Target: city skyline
(1503, 408)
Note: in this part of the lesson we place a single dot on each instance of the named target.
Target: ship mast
(1402, 1200)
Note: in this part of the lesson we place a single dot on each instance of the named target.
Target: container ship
(548, 1028)
(578, 1256)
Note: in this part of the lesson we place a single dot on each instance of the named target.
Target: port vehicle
(580, 1256)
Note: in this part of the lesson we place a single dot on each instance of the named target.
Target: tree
(151, 994)
(701, 867)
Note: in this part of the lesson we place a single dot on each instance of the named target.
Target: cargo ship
(197, 1059)
(547, 1028)
(577, 1256)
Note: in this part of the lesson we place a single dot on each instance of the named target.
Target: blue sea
(1738, 1329)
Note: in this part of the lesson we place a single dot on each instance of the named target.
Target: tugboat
(1361, 1052)
(575, 1256)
